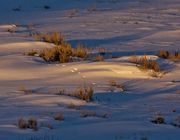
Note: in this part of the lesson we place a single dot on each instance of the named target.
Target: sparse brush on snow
(33, 52)
(24, 89)
(72, 106)
(91, 113)
(144, 63)
(22, 123)
(59, 117)
(101, 51)
(92, 8)
(87, 113)
(116, 86)
(80, 51)
(84, 93)
(61, 53)
(158, 119)
(31, 123)
(55, 38)
(72, 13)
(176, 122)
(169, 55)
(99, 58)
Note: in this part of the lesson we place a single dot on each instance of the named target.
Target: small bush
(99, 58)
(22, 123)
(176, 122)
(24, 89)
(49, 126)
(80, 51)
(169, 55)
(72, 106)
(84, 93)
(163, 54)
(72, 13)
(61, 53)
(92, 8)
(58, 117)
(114, 85)
(158, 120)
(101, 51)
(134, 59)
(144, 64)
(55, 38)
(87, 113)
(32, 53)
(32, 123)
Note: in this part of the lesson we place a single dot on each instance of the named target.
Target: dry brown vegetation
(158, 120)
(116, 86)
(91, 113)
(84, 93)
(72, 106)
(62, 51)
(169, 55)
(59, 117)
(99, 58)
(33, 52)
(55, 38)
(87, 113)
(24, 89)
(144, 63)
(31, 123)
(80, 51)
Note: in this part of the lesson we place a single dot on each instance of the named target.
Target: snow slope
(123, 28)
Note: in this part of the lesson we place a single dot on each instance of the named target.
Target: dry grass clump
(80, 51)
(72, 106)
(31, 123)
(144, 63)
(84, 93)
(61, 53)
(116, 86)
(22, 124)
(32, 53)
(176, 122)
(158, 120)
(101, 51)
(87, 113)
(169, 55)
(99, 58)
(73, 12)
(91, 113)
(23, 88)
(92, 8)
(55, 38)
(58, 117)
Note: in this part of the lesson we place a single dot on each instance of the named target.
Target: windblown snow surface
(123, 28)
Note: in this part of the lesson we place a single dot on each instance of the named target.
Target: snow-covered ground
(123, 28)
